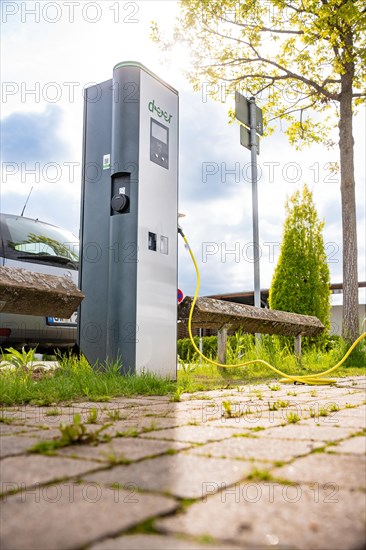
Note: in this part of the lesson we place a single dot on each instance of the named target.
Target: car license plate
(57, 321)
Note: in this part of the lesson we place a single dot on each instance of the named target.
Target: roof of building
(247, 296)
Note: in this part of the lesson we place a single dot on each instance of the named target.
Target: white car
(45, 248)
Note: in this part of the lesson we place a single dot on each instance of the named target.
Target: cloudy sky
(51, 51)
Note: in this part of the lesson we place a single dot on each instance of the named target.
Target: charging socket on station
(152, 241)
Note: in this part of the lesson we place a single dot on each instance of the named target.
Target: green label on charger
(106, 162)
(160, 112)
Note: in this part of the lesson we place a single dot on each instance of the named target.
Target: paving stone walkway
(262, 466)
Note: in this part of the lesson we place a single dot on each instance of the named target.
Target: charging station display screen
(159, 132)
(159, 143)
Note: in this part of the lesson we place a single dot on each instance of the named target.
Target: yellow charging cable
(314, 379)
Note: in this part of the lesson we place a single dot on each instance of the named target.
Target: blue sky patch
(33, 137)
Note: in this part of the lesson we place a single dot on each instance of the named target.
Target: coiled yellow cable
(314, 379)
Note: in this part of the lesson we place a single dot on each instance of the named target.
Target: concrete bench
(28, 293)
(222, 315)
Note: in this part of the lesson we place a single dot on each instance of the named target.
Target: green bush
(187, 353)
(301, 280)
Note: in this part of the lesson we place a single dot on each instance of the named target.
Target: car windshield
(39, 241)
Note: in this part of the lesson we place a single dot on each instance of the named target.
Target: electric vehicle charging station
(129, 210)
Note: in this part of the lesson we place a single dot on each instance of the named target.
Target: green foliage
(187, 353)
(19, 359)
(301, 280)
(237, 345)
(312, 44)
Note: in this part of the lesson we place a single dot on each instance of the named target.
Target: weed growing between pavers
(116, 459)
(71, 434)
(130, 432)
(277, 405)
(292, 418)
(144, 528)
(260, 475)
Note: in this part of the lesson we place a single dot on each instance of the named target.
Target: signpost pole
(251, 118)
(254, 172)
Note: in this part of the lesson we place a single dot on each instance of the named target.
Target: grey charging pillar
(128, 270)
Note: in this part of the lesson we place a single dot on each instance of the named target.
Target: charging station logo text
(152, 107)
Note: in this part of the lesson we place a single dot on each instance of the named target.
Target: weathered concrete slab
(29, 293)
(211, 313)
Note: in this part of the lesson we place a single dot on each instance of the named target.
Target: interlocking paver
(143, 424)
(249, 421)
(355, 411)
(42, 416)
(356, 422)
(129, 448)
(354, 445)
(342, 401)
(10, 429)
(284, 516)
(68, 515)
(17, 444)
(89, 495)
(156, 542)
(182, 475)
(258, 448)
(310, 431)
(25, 471)
(322, 468)
(198, 434)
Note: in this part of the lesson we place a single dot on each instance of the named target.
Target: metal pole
(253, 153)
(200, 343)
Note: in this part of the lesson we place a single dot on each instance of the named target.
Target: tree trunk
(350, 328)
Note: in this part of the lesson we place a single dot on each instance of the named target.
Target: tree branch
(320, 88)
(261, 29)
(291, 75)
(290, 112)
